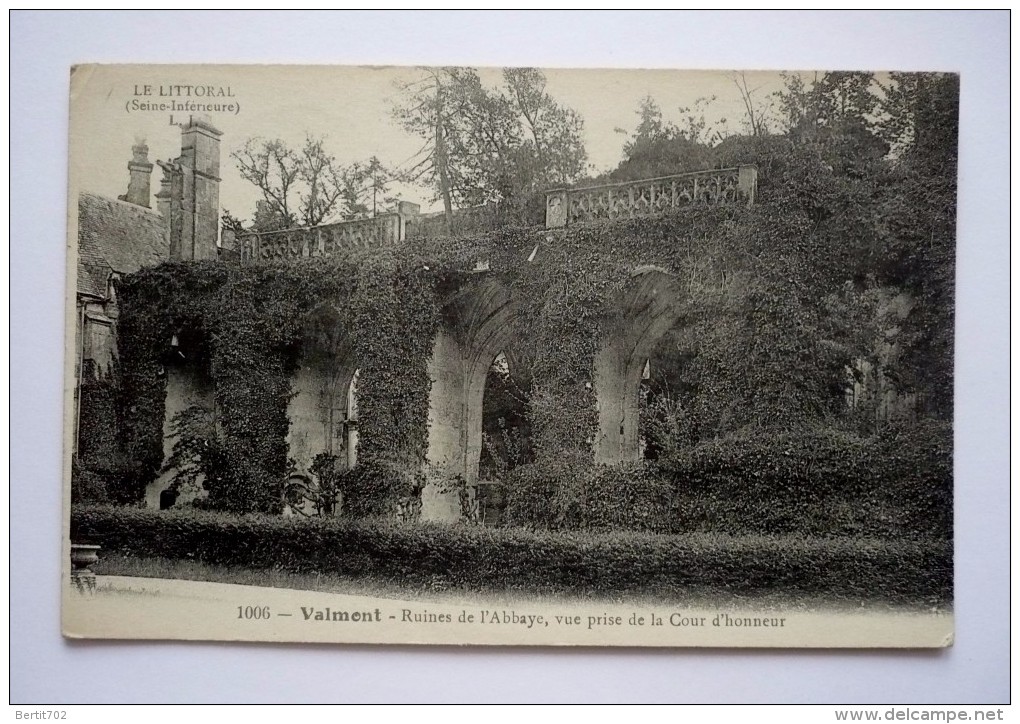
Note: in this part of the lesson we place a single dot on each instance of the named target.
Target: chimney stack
(141, 171)
(163, 195)
(194, 207)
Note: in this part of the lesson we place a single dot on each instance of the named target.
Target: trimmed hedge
(535, 561)
(561, 495)
(895, 485)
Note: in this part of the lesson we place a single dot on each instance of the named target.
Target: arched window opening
(666, 395)
(506, 436)
(190, 424)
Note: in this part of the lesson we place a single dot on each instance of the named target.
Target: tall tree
(919, 118)
(486, 145)
(552, 152)
(835, 116)
(758, 110)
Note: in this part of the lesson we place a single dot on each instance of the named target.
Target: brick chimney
(141, 171)
(194, 190)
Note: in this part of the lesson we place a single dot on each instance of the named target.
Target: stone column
(617, 385)
(474, 398)
(747, 182)
(446, 439)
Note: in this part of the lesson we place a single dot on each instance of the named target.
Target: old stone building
(120, 236)
(117, 237)
(478, 327)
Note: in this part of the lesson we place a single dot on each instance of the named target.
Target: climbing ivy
(251, 321)
(743, 271)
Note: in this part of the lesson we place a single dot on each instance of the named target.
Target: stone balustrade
(647, 197)
(326, 240)
(563, 207)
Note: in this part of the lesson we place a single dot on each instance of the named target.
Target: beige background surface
(110, 107)
(43, 46)
(129, 608)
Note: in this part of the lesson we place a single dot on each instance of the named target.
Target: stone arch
(321, 390)
(478, 325)
(188, 385)
(646, 309)
(490, 332)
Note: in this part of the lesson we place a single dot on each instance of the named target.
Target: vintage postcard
(510, 356)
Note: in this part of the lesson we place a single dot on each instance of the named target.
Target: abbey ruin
(477, 323)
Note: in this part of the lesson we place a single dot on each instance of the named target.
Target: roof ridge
(122, 203)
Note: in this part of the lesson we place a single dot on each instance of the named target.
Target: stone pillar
(141, 172)
(446, 440)
(351, 426)
(747, 182)
(407, 213)
(406, 208)
(474, 398)
(617, 385)
(556, 207)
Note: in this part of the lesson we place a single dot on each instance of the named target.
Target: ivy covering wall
(778, 312)
(252, 319)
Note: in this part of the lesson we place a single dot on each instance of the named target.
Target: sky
(351, 108)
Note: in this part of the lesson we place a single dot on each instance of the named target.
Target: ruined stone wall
(185, 386)
(317, 413)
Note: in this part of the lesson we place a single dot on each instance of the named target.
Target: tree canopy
(490, 145)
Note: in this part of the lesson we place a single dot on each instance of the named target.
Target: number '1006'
(255, 613)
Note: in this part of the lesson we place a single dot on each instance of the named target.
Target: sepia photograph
(511, 356)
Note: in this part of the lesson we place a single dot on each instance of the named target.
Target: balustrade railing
(326, 240)
(563, 207)
(646, 197)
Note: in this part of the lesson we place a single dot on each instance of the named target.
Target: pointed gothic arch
(648, 307)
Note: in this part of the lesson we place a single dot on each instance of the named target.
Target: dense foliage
(853, 260)
(895, 485)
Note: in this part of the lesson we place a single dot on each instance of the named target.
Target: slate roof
(115, 236)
